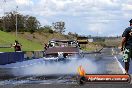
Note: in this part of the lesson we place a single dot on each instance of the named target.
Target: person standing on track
(126, 46)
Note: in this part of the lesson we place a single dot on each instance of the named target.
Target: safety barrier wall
(13, 57)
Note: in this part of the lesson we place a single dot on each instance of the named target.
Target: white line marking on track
(123, 70)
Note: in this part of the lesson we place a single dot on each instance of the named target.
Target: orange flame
(81, 71)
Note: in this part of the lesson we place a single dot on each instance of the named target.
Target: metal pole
(16, 20)
(4, 15)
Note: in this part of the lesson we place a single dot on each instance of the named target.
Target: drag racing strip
(123, 70)
(16, 69)
(39, 72)
(120, 65)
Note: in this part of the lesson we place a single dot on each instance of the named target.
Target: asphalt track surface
(109, 62)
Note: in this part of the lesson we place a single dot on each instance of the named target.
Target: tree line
(26, 23)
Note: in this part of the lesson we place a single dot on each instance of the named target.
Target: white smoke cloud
(55, 68)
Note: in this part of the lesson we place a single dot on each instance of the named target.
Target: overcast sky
(85, 17)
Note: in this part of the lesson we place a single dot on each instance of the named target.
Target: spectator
(126, 46)
(17, 46)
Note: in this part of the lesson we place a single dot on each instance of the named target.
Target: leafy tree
(59, 26)
(24, 23)
(46, 29)
(32, 24)
(1, 24)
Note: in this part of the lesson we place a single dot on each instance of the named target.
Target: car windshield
(63, 43)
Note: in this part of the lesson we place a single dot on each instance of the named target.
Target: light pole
(16, 20)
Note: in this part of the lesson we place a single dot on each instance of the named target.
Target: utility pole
(4, 15)
(16, 20)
